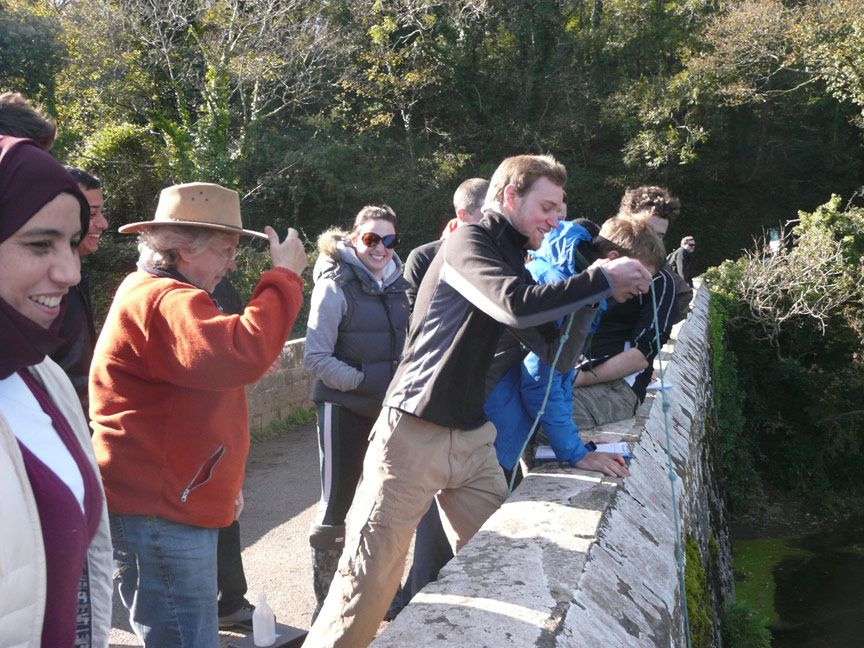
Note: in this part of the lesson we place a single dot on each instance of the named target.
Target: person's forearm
(624, 364)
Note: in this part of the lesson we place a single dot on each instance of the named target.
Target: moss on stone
(699, 608)
(281, 426)
(713, 549)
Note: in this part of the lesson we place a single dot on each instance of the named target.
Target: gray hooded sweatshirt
(356, 327)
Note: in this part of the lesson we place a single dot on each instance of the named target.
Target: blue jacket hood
(559, 245)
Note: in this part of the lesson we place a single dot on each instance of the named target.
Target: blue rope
(672, 476)
(564, 336)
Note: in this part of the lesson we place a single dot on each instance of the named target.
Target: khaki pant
(408, 462)
(603, 403)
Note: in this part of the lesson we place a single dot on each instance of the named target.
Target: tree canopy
(748, 110)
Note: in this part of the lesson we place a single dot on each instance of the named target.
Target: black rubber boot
(327, 544)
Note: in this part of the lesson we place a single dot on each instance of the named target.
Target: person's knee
(325, 537)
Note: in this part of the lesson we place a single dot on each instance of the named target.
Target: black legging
(343, 437)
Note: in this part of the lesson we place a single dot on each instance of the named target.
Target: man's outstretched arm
(625, 363)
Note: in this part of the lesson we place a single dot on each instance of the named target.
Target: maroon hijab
(29, 180)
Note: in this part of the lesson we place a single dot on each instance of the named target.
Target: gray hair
(158, 246)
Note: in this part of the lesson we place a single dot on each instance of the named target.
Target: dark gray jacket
(475, 286)
(79, 338)
(356, 328)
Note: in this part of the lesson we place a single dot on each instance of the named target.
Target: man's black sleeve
(416, 265)
(644, 335)
(476, 269)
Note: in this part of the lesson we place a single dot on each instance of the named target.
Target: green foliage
(107, 268)
(736, 453)
(843, 225)
(124, 157)
(278, 427)
(699, 608)
(253, 260)
(798, 388)
(311, 109)
(31, 51)
(743, 627)
(827, 42)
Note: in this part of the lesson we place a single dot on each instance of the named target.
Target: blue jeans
(167, 575)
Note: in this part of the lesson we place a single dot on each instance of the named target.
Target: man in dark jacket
(433, 439)
(235, 611)
(679, 260)
(467, 202)
(78, 330)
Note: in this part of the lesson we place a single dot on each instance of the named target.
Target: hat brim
(132, 228)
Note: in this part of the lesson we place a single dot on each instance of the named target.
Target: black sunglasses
(371, 239)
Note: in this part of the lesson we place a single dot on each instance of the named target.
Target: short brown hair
(647, 201)
(523, 171)
(20, 118)
(470, 194)
(633, 237)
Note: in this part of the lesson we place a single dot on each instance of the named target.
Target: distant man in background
(679, 260)
(467, 202)
(78, 330)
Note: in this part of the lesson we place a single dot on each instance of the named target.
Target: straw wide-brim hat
(199, 204)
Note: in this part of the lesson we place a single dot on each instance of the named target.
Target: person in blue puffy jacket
(514, 403)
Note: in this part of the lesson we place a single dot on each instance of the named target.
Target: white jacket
(22, 558)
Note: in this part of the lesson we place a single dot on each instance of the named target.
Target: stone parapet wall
(275, 397)
(577, 559)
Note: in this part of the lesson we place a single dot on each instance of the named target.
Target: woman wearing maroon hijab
(55, 548)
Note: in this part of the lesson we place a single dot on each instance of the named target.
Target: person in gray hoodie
(357, 324)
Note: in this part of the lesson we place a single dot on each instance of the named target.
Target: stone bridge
(574, 558)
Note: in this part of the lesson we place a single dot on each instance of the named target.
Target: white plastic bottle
(263, 623)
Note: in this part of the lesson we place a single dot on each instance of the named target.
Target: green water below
(810, 587)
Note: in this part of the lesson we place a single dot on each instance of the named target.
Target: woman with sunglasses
(357, 324)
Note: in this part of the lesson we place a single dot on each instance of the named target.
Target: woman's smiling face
(39, 262)
(377, 257)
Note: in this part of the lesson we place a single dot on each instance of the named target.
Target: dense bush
(738, 456)
(788, 360)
